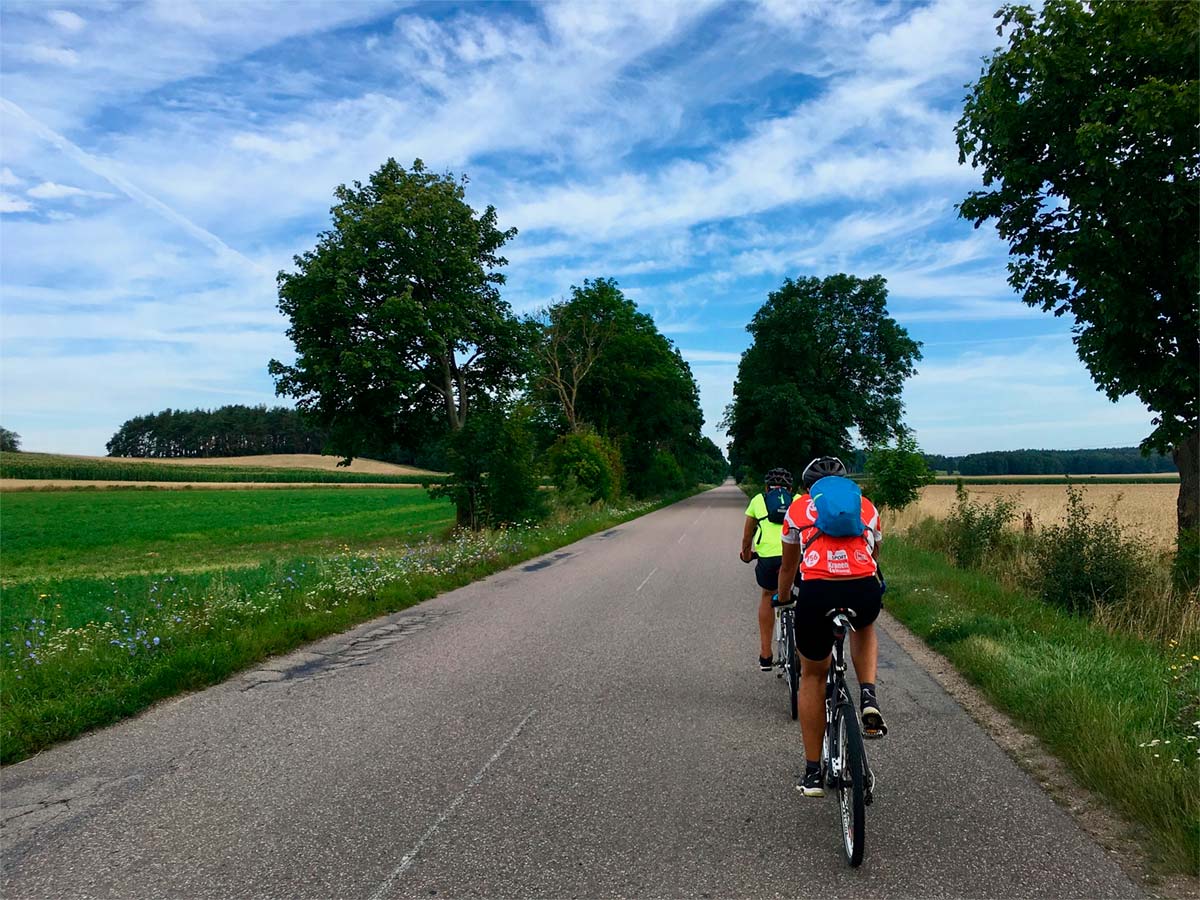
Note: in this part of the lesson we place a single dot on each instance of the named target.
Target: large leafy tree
(1084, 129)
(605, 364)
(826, 359)
(396, 314)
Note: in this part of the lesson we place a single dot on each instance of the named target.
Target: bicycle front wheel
(851, 783)
(791, 664)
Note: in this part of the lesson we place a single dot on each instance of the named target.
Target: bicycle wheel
(791, 664)
(850, 784)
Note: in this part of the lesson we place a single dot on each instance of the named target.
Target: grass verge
(84, 653)
(1119, 711)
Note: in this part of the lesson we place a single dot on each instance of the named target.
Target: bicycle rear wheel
(791, 664)
(850, 784)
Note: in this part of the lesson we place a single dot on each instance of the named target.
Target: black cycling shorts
(766, 572)
(814, 629)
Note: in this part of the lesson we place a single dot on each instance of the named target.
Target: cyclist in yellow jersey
(761, 538)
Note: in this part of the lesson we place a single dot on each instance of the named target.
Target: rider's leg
(864, 650)
(812, 705)
(766, 624)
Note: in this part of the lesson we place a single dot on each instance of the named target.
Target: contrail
(101, 167)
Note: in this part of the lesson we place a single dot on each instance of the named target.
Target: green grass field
(111, 601)
(47, 466)
(56, 535)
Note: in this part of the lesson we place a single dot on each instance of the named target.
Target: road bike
(843, 753)
(785, 642)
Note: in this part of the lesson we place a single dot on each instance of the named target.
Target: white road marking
(407, 860)
(693, 522)
(647, 578)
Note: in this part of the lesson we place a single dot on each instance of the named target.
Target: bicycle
(785, 640)
(843, 752)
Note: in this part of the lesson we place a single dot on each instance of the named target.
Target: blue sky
(163, 160)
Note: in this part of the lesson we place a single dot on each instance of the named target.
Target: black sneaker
(766, 663)
(812, 785)
(872, 719)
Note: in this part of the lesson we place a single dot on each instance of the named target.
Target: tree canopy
(826, 359)
(396, 315)
(631, 383)
(1084, 130)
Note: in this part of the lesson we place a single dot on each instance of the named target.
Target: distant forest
(1106, 461)
(228, 431)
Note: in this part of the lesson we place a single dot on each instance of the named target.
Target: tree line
(228, 431)
(1106, 461)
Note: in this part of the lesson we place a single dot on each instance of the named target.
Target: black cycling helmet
(820, 468)
(780, 477)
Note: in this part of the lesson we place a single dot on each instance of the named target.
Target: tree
(1084, 130)
(897, 473)
(637, 391)
(10, 441)
(396, 315)
(826, 358)
(574, 334)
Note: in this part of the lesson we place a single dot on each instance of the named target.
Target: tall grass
(1119, 710)
(42, 466)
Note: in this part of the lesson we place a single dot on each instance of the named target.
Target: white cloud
(48, 190)
(66, 20)
(11, 204)
(8, 179)
(59, 56)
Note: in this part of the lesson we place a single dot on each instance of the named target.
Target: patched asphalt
(588, 724)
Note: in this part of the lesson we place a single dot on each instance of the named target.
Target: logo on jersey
(837, 556)
(861, 557)
(812, 558)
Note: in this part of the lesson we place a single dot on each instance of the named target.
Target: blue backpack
(777, 500)
(839, 506)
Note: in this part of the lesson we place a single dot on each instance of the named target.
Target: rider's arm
(748, 537)
(787, 570)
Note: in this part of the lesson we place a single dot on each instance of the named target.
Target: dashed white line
(647, 578)
(407, 860)
(693, 522)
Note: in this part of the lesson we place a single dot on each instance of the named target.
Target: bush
(664, 475)
(493, 478)
(897, 474)
(586, 462)
(10, 441)
(1084, 562)
(975, 530)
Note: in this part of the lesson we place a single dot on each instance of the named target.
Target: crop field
(115, 533)
(1135, 478)
(1147, 510)
(46, 466)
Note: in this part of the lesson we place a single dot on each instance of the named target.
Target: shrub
(1083, 561)
(974, 530)
(10, 441)
(897, 474)
(586, 462)
(665, 474)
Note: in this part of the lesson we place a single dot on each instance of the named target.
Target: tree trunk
(1187, 459)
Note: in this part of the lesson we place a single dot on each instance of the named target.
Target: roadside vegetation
(1113, 694)
(81, 651)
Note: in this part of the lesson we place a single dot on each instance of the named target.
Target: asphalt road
(591, 723)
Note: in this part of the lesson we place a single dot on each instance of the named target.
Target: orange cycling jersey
(826, 556)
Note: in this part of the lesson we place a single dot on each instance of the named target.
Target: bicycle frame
(836, 693)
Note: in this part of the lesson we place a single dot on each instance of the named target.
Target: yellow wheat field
(1146, 510)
